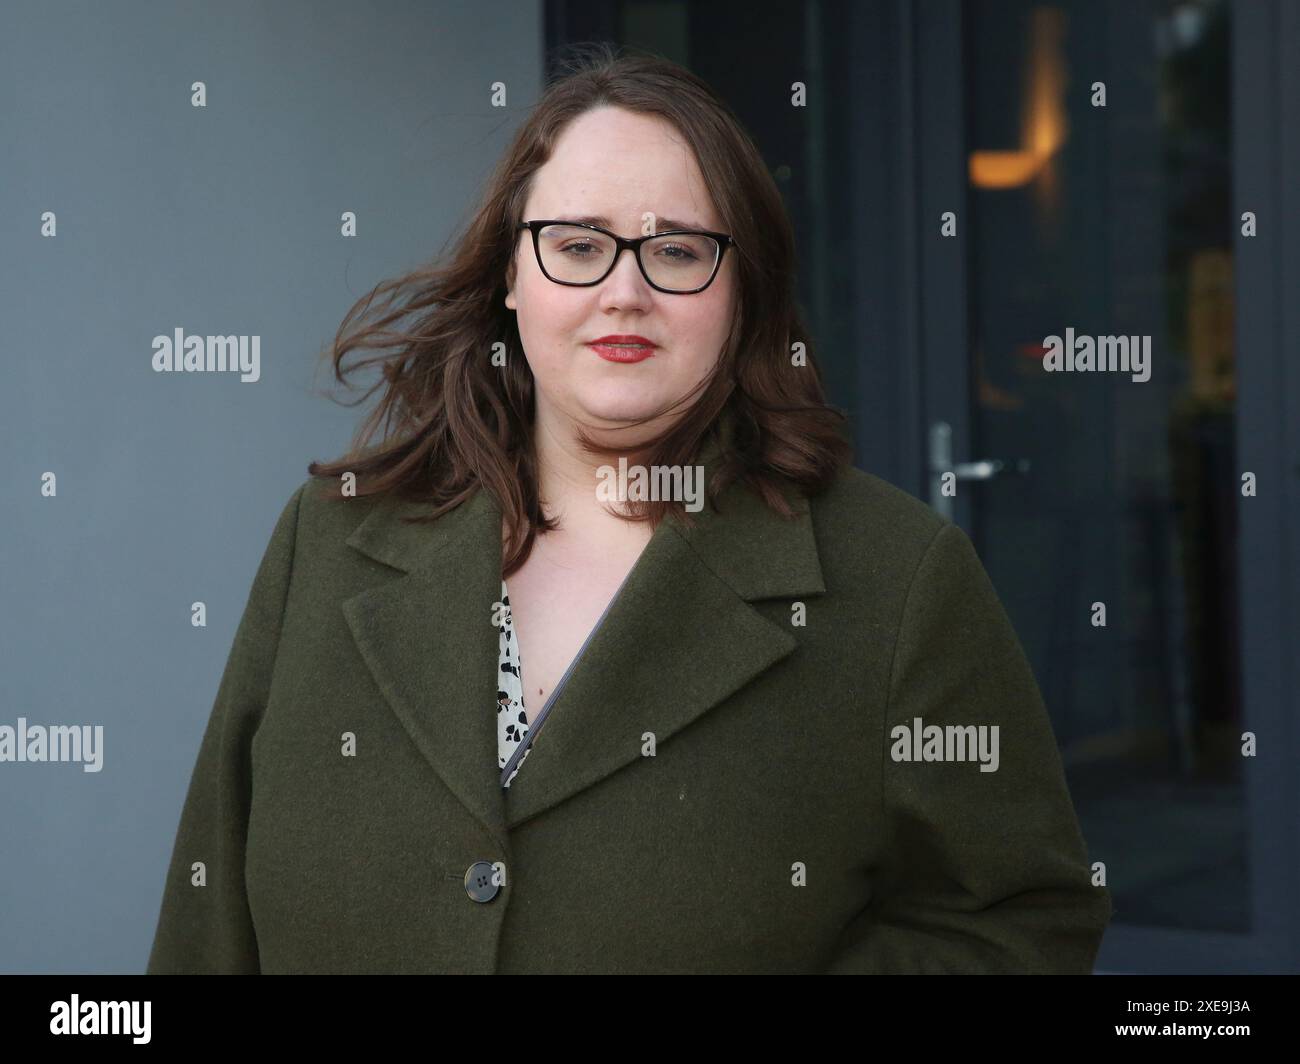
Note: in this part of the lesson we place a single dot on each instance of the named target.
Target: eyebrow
(661, 223)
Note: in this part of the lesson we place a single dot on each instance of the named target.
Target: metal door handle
(941, 463)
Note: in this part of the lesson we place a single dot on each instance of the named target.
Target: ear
(511, 302)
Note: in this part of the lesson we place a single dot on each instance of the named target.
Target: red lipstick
(623, 347)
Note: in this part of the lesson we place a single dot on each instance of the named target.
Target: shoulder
(878, 541)
(317, 520)
(322, 502)
(861, 520)
(865, 497)
(318, 507)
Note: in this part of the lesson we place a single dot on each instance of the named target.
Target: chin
(618, 405)
(611, 431)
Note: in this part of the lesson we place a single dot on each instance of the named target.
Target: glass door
(969, 179)
(1088, 441)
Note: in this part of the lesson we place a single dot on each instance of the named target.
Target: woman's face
(613, 163)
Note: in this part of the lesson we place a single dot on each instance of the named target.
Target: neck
(568, 477)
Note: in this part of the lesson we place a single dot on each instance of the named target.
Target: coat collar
(680, 639)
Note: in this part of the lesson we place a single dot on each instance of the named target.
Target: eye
(578, 244)
(686, 254)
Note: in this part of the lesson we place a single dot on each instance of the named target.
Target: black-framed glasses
(679, 262)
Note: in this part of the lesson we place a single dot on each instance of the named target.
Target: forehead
(610, 167)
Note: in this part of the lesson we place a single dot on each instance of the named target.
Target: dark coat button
(480, 882)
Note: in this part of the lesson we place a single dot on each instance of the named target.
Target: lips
(624, 338)
(623, 347)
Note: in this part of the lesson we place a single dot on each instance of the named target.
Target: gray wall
(224, 220)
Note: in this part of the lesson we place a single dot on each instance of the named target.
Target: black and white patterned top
(512, 725)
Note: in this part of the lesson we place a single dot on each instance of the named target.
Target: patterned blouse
(513, 729)
(512, 724)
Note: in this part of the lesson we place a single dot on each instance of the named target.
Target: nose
(625, 286)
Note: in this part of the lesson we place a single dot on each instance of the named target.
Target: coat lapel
(428, 640)
(680, 639)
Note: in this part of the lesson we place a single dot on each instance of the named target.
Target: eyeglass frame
(622, 243)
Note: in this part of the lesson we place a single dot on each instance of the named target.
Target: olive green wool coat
(714, 790)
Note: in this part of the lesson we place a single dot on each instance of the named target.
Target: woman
(491, 710)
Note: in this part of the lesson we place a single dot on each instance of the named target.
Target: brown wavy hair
(454, 422)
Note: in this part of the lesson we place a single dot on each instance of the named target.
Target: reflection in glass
(1114, 221)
